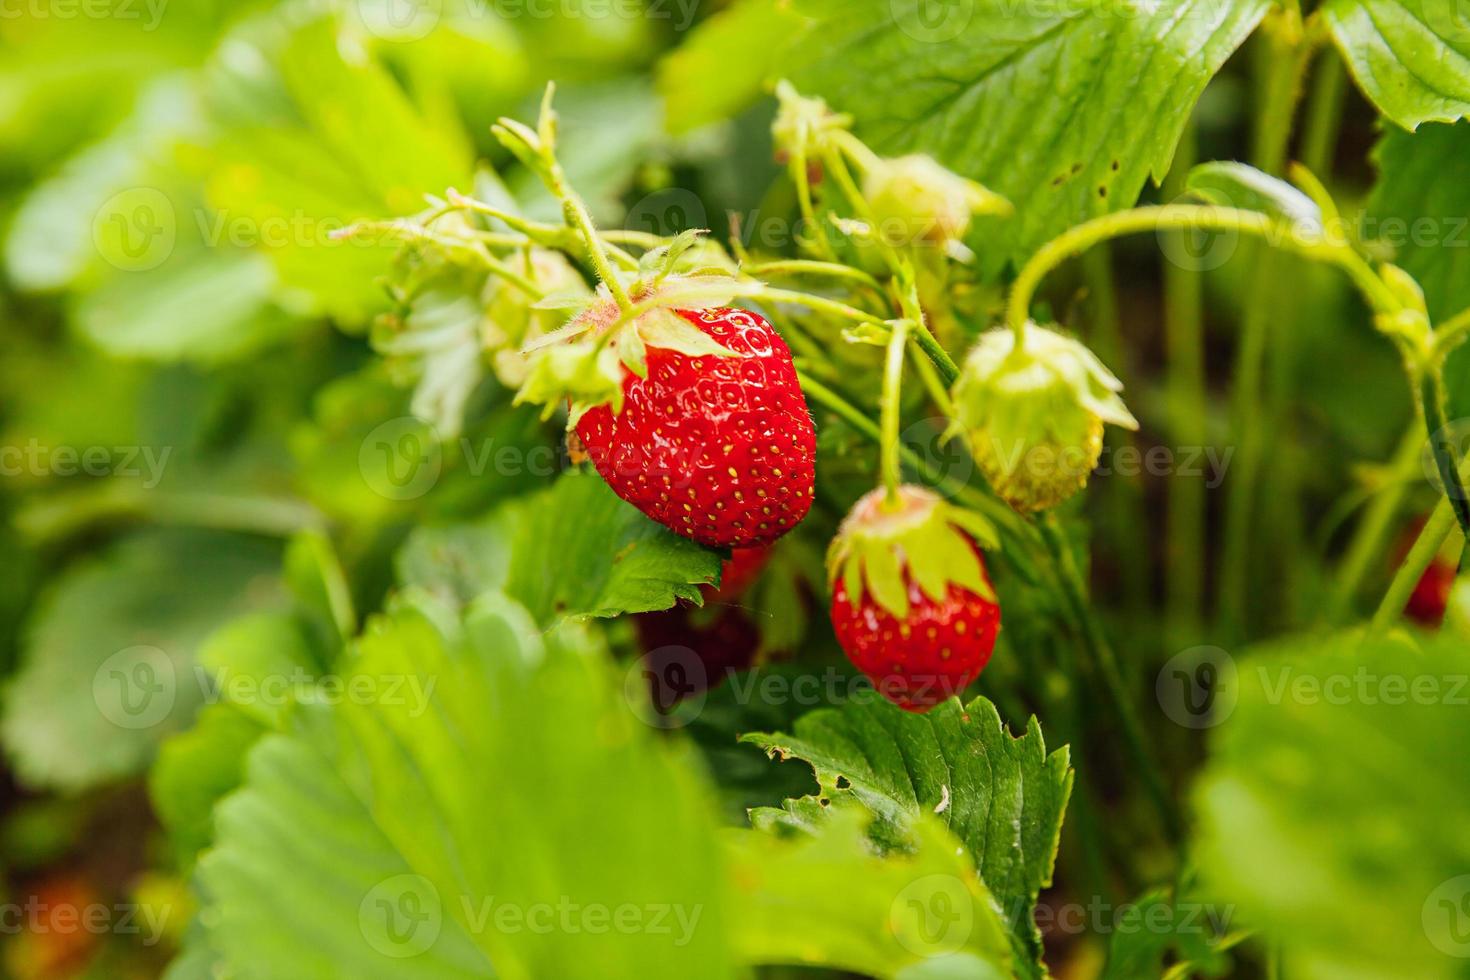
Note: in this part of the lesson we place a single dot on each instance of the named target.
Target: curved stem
(801, 179)
(892, 390)
(1166, 217)
(1426, 546)
(1431, 395)
(1074, 588)
(1001, 514)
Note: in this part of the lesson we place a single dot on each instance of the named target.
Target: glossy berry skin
(716, 448)
(1431, 594)
(931, 655)
(738, 573)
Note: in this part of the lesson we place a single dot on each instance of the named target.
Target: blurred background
(188, 378)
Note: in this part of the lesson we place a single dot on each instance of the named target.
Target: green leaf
(1238, 185)
(160, 314)
(1410, 57)
(1002, 797)
(260, 663)
(1144, 932)
(827, 900)
(764, 32)
(108, 666)
(1331, 812)
(609, 560)
(195, 770)
(1065, 110)
(386, 838)
(1420, 208)
(314, 134)
(665, 329)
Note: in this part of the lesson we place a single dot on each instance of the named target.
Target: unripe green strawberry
(915, 199)
(912, 605)
(1034, 417)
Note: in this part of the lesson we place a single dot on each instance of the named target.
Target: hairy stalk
(1003, 516)
(1432, 398)
(891, 405)
(1075, 592)
(1186, 217)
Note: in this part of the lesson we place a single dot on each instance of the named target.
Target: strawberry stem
(1074, 590)
(1186, 217)
(890, 405)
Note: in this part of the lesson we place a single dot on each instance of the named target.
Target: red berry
(738, 572)
(920, 634)
(716, 448)
(1432, 593)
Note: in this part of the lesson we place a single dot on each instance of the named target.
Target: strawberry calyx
(882, 545)
(1033, 414)
(584, 363)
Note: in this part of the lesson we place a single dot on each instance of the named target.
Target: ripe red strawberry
(1431, 593)
(717, 448)
(912, 604)
(738, 572)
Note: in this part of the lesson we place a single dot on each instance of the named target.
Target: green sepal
(1049, 398)
(583, 373)
(631, 350)
(666, 329)
(923, 538)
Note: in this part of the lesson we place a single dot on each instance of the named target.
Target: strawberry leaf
(108, 666)
(1064, 109)
(383, 836)
(609, 560)
(823, 899)
(1410, 57)
(1002, 797)
(1329, 810)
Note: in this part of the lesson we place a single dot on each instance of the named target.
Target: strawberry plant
(750, 489)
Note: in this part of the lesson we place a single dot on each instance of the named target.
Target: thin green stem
(1075, 591)
(1004, 517)
(1432, 397)
(1188, 409)
(1368, 540)
(1175, 217)
(1286, 60)
(1324, 114)
(930, 345)
(801, 179)
(798, 267)
(891, 410)
(1431, 538)
(1452, 332)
